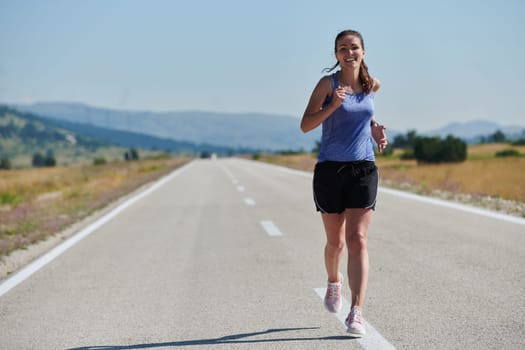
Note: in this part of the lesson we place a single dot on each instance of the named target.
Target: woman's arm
(379, 134)
(315, 114)
(378, 130)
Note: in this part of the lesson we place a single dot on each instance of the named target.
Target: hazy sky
(439, 61)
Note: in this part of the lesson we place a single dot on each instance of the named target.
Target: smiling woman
(345, 176)
(350, 54)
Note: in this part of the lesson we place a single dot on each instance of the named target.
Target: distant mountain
(473, 131)
(143, 141)
(240, 130)
(22, 134)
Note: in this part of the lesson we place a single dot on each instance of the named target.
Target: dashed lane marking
(249, 202)
(270, 228)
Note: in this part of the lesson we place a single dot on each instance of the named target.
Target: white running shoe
(355, 323)
(332, 298)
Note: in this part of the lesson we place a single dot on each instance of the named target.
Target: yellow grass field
(36, 203)
(501, 177)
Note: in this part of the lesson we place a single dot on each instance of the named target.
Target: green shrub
(436, 150)
(40, 160)
(509, 152)
(408, 155)
(8, 198)
(99, 161)
(5, 163)
(131, 154)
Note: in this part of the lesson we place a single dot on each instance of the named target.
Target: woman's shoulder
(329, 77)
(329, 81)
(326, 83)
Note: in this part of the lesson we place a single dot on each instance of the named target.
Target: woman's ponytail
(365, 78)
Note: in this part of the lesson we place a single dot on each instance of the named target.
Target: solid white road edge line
(270, 228)
(36, 265)
(453, 205)
(372, 340)
(417, 197)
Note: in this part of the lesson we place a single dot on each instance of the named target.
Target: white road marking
(270, 228)
(372, 340)
(453, 205)
(36, 265)
(240, 188)
(249, 201)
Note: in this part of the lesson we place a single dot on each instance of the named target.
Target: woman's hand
(379, 135)
(338, 97)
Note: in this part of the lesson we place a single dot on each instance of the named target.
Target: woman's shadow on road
(229, 339)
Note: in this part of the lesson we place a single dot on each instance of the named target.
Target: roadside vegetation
(38, 202)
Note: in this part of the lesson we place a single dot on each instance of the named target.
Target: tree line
(433, 149)
(40, 160)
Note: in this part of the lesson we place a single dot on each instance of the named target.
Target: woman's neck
(350, 79)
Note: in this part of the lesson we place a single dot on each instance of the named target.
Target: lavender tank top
(346, 134)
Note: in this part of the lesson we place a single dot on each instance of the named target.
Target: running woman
(345, 176)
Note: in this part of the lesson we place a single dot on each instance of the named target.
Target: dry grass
(35, 203)
(487, 151)
(501, 177)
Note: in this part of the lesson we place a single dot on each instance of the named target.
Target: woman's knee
(356, 242)
(335, 245)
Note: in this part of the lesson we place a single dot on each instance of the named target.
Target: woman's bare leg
(357, 222)
(334, 225)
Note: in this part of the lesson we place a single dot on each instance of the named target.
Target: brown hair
(364, 77)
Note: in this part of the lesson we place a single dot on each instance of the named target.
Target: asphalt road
(228, 254)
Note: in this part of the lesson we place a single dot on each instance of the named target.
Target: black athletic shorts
(341, 185)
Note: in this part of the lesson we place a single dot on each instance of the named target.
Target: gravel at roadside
(497, 204)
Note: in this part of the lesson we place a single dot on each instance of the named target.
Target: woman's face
(349, 52)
